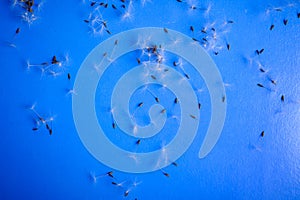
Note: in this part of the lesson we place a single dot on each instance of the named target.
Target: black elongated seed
(187, 76)
(192, 28)
(262, 70)
(273, 82)
(260, 85)
(261, 51)
(18, 30)
(110, 174)
(282, 98)
(176, 100)
(166, 174)
(193, 116)
(258, 52)
(228, 46)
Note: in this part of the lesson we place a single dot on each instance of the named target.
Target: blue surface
(243, 165)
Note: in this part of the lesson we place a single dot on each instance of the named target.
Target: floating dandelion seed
(71, 92)
(128, 14)
(121, 184)
(135, 129)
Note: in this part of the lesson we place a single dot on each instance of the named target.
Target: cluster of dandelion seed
(41, 121)
(96, 18)
(54, 67)
(127, 186)
(213, 36)
(27, 9)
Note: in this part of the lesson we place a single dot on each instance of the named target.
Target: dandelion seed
(203, 30)
(282, 98)
(18, 30)
(176, 100)
(114, 125)
(262, 70)
(260, 85)
(71, 92)
(165, 173)
(192, 28)
(261, 51)
(153, 77)
(228, 46)
(223, 98)
(193, 116)
(126, 193)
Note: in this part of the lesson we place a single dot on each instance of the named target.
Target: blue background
(243, 165)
